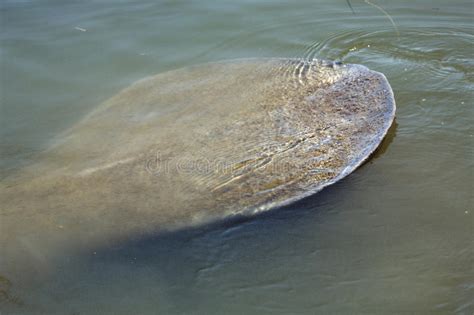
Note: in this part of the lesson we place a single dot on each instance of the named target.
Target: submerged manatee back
(196, 144)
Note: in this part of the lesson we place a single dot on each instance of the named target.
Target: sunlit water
(394, 237)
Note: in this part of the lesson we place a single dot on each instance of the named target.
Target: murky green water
(394, 237)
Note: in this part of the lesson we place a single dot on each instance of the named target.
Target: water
(394, 237)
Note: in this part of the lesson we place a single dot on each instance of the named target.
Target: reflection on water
(394, 237)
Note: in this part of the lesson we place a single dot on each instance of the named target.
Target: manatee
(195, 145)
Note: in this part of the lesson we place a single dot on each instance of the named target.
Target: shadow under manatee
(274, 221)
(181, 267)
(174, 272)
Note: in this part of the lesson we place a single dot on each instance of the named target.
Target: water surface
(394, 237)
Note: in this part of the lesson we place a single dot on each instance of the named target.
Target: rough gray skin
(193, 145)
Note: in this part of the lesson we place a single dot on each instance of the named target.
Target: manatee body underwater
(194, 145)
